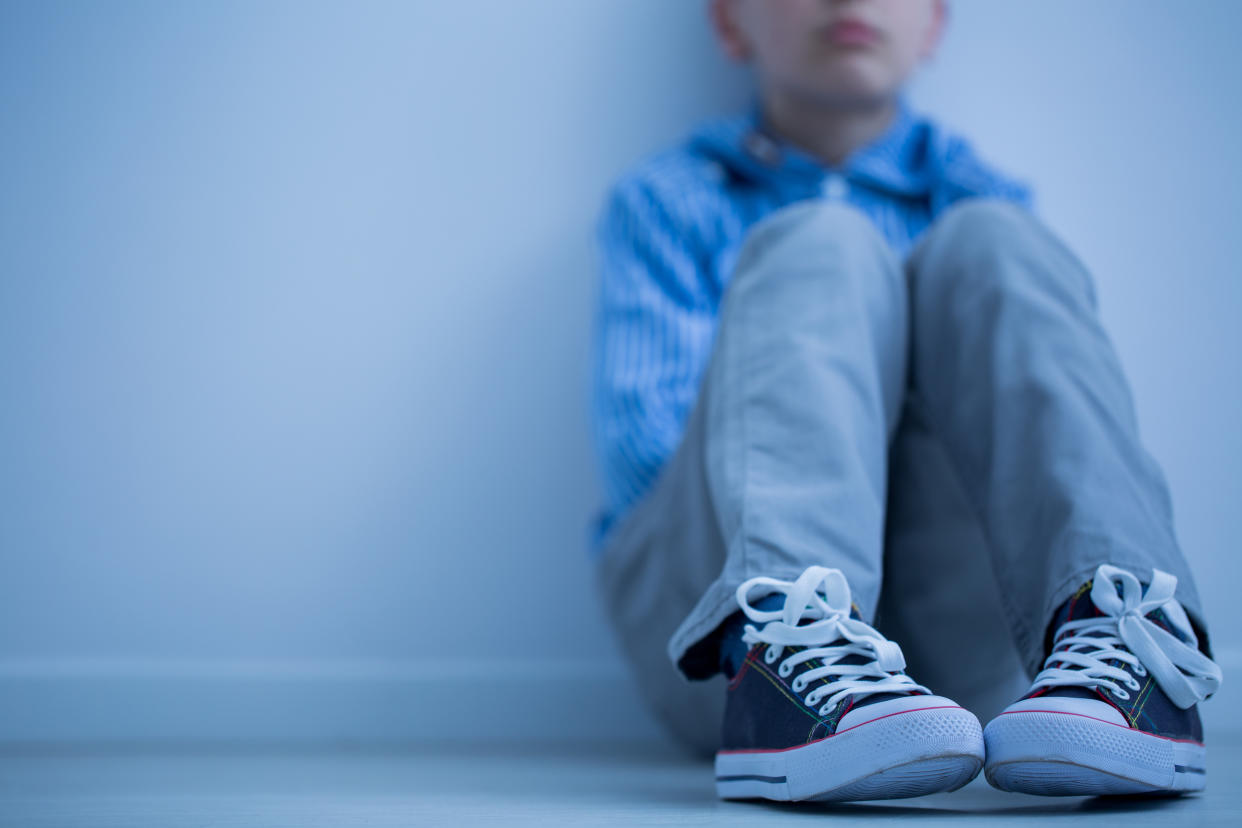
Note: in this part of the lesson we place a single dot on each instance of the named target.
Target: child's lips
(851, 33)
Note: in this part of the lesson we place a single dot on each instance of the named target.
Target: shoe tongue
(873, 697)
(776, 602)
(858, 659)
(1076, 607)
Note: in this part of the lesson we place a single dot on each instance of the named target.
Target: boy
(782, 297)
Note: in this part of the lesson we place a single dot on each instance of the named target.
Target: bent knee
(982, 221)
(789, 241)
(817, 217)
(979, 243)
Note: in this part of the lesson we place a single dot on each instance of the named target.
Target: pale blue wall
(294, 306)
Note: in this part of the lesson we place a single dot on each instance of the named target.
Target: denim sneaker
(1114, 711)
(821, 708)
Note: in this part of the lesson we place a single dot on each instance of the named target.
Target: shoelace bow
(831, 611)
(1124, 633)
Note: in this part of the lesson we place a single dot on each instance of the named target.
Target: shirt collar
(896, 160)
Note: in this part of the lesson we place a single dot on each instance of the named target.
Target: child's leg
(1014, 371)
(802, 393)
(783, 462)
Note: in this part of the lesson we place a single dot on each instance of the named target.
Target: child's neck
(830, 133)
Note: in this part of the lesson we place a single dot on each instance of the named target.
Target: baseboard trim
(319, 703)
(344, 704)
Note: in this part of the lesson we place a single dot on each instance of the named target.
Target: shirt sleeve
(653, 332)
(1013, 189)
(966, 174)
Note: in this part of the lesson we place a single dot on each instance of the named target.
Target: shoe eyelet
(1140, 670)
(770, 655)
(825, 710)
(1133, 684)
(784, 670)
(1121, 694)
(798, 684)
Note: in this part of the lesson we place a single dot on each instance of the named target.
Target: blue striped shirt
(669, 232)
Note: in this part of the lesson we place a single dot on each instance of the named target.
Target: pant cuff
(695, 647)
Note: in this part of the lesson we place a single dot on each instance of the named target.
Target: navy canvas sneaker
(1114, 711)
(821, 708)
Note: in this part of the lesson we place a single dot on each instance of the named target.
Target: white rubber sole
(906, 754)
(1065, 754)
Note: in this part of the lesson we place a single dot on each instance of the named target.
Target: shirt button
(763, 148)
(835, 186)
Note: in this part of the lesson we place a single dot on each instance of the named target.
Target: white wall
(294, 304)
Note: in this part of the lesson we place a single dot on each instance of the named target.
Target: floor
(462, 788)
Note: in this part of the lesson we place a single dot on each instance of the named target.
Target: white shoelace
(1125, 634)
(833, 623)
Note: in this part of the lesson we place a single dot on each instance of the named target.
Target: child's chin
(850, 81)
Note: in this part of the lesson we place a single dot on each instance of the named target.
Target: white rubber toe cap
(1092, 708)
(880, 710)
